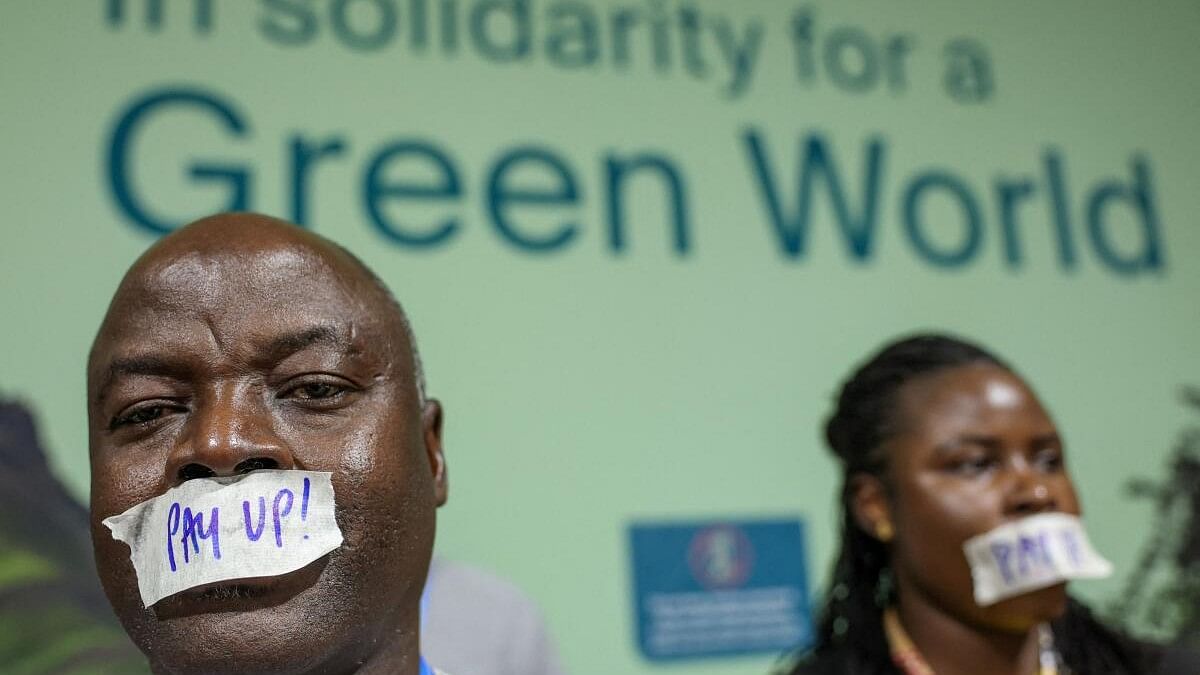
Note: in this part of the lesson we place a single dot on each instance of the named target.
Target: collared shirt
(427, 669)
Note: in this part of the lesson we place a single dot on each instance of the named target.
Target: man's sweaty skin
(243, 342)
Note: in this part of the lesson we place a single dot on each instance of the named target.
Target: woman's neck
(952, 647)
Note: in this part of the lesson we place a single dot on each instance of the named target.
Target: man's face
(266, 354)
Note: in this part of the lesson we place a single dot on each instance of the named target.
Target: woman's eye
(972, 466)
(1049, 460)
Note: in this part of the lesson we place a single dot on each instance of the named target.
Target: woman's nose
(1028, 493)
(229, 432)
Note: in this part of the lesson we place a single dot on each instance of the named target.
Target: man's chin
(280, 624)
(276, 639)
(236, 596)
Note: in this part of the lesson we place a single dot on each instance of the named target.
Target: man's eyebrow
(282, 346)
(275, 350)
(142, 364)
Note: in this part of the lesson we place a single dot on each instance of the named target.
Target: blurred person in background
(477, 623)
(940, 441)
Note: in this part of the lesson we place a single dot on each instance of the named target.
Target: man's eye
(315, 391)
(139, 416)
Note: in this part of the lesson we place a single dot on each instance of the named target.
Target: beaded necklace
(908, 658)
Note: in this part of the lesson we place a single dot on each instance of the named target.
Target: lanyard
(425, 669)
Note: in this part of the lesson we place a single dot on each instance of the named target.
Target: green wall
(588, 385)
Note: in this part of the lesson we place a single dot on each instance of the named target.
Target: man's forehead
(187, 265)
(251, 241)
(223, 286)
(242, 284)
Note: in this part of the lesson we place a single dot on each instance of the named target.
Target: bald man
(242, 343)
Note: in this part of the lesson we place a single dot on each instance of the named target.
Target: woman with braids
(940, 442)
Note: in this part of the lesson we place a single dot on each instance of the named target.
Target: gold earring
(884, 532)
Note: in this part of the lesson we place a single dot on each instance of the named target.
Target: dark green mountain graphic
(54, 617)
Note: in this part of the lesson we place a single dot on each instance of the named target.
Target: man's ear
(431, 433)
(870, 507)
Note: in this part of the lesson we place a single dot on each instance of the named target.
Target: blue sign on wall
(720, 588)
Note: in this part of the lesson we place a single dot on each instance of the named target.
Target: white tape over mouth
(261, 524)
(1029, 554)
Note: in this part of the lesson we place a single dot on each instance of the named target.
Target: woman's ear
(431, 433)
(870, 507)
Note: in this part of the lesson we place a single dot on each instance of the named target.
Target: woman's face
(974, 449)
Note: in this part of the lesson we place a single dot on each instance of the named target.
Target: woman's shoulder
(1178, 661)
(825, 664)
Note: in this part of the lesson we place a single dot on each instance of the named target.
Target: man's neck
(401, 664)
(393, 652)
(952, 647)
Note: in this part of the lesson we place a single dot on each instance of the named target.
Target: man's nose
(1028, 492)
(230, 432)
